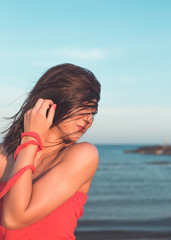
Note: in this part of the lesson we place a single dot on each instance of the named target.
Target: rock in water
(154, 150)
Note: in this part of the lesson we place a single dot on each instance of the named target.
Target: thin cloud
(80, 54)
(54, 55)
(75, 53)
(127, 79)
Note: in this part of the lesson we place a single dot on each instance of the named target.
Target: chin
(72, 139)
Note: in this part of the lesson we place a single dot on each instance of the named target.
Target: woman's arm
(26, 204)
(20, 194)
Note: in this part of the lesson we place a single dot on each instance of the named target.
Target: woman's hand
(37, 120)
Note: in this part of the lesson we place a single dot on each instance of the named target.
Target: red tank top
(58, 225)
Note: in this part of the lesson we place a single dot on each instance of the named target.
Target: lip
(81, 128)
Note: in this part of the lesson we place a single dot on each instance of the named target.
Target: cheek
(72, 128)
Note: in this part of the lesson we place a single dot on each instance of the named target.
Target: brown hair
(69, 86)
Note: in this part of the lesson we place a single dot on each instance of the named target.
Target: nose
(88, 118)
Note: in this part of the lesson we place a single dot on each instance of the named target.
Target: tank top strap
(14, 178)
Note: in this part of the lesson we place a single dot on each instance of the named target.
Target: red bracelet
(38, 142)
(25, 145)
(35, 135)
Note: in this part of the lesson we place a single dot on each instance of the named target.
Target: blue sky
(126, 43)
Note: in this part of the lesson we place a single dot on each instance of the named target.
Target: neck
(52, 143)
(52, 137)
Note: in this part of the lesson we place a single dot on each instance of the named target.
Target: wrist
(26, 139)
(25, 143)
(35, 135)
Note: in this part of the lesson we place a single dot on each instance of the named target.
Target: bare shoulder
(86, 151)
(86, 148)
(3, 161)
(84, 155)
(6, 164)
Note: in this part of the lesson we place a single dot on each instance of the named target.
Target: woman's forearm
(26, 156)
(17, 199)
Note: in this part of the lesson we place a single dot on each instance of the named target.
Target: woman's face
(74, 127)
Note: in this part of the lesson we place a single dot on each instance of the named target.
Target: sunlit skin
(47, 190)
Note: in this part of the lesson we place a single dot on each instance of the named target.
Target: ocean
(128, 192)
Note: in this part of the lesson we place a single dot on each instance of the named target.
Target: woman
(51, 174)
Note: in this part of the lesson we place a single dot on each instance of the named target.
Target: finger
(46, 104)
(38, 103)
(51, 113)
